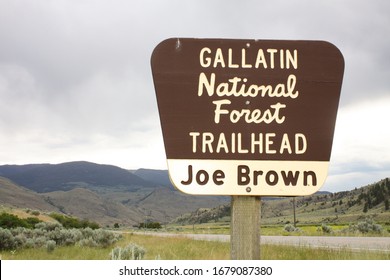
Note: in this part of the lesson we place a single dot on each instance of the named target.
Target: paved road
(334, 242)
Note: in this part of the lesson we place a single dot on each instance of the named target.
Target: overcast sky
(76, 84)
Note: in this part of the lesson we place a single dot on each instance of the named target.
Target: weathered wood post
(245, 228)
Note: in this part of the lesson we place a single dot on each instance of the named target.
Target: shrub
(75, 235)
(18, 231)
(130, 252)
(7, 240)
(290, 228)
(152, 225)
(47, 234)
(366, 226)
(87, 232)
(71, 222)
(20, 241)
(39, 241)
(326, 229)
(48, 226)
(88, 224)
(50, 245)
(35, 213)
(32, 221)
(104, 238)
(87, 242)
(11, 221)
(369, 226)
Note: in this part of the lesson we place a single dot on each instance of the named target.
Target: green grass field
(180, 248)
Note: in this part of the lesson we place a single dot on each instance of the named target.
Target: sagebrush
(54, 234)
(130, 252)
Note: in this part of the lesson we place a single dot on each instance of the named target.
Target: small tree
(365, 209)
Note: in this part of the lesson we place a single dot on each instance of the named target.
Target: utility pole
(295, 220)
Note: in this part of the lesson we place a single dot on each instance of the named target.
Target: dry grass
(180, 248)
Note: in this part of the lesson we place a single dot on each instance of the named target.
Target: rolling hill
(102, 193)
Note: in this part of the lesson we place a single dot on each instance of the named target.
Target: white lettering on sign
(246, 176)
(268, 59)
(237, 87)
(249, 116)
(260, 143)
(229, 89)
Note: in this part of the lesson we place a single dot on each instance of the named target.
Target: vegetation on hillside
(345, 207)
(374, 196)
(72, 222)
(8, 220)
(149, 225)
(204, 215)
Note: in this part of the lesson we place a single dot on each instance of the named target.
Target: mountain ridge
(66, 176)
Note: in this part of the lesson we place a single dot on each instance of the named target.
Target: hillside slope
(159, 177)
(16, 196)
(342, 207)
(87, 204)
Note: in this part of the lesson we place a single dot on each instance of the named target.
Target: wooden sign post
(247, 118)
(245, 228)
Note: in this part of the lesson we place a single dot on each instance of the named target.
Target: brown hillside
(87, 204)
(16, 196)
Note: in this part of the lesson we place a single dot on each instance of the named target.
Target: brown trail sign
(247, 117)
